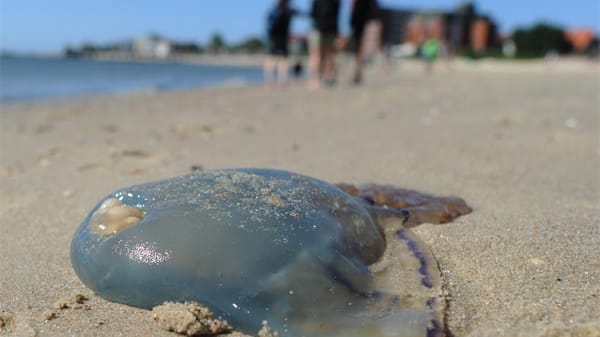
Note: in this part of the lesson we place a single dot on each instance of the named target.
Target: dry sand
(519, 142)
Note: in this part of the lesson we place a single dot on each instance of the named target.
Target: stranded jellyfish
(313, 259)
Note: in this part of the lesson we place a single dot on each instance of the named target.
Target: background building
(462, 29)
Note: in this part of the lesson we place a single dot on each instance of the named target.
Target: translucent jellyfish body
(312, 259)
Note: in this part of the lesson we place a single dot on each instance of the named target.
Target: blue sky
(47, 26)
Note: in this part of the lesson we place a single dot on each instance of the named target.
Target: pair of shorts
(357, 34)
(317, 39)
(278, 47)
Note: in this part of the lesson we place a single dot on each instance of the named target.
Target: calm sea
(31, 78)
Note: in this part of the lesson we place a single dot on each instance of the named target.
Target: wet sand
(519, 142)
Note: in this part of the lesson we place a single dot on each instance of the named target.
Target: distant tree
(217, 43)
(187, 48)
(251, 45)
(539, 40)
(89, 49)
(71, 52)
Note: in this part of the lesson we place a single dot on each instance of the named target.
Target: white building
(151, 46)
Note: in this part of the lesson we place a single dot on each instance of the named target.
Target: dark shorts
(278, 47)
(318, 40)
(357, 37)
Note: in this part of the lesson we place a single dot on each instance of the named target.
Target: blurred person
(325, 15)
(429, 52)
(363, 11)
(278, 30)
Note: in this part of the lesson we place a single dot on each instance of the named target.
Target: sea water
(40, 78)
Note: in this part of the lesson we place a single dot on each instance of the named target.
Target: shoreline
(91, 77)
(229, 60)
(567, 65)
(126, 93)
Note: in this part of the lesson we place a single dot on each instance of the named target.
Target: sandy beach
(518, 141)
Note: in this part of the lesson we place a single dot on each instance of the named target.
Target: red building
(480, 30)
(580, 39)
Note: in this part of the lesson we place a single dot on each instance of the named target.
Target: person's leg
(358, 64)
(358, 56)
(327, 67)
(269, 70)
(428, 65)
(329, 72)
(282, 70)
(314, 60)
